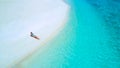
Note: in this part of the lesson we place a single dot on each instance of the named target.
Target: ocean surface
(90, 39)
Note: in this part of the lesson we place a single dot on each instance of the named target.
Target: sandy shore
(45, 22)
(18, 63)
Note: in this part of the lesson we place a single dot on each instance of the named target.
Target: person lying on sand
(34, 36)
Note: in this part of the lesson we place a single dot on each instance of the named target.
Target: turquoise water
(83, 43)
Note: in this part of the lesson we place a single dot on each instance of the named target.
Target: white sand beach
(42, 17)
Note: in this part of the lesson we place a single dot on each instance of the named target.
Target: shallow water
(83, 43)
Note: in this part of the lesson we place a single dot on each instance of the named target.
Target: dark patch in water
(110, 12)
